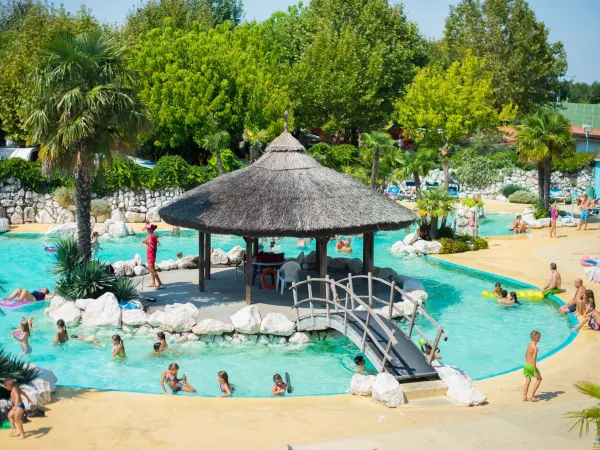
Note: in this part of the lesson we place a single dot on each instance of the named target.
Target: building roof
(286, 193)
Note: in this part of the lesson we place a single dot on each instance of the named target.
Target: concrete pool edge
(572, 318)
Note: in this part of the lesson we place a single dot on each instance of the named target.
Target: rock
(280, 341)
(156, 319)
(138, 260)
(103, 312)
(16, 218)
(117, 216)
(152, 215)
(501, 198)
(192, 337)
(410, 239)
(545, 221)
(212, 327)
(428, 248)
(362, 384)
(29, 215)
(34, 396)
(235, 255)
(263, 340)
(410, 250)
(180, 317)
(135, 217)
(247, 320)
(44, 216)
(48, 376)
(277, 324)
(387, 391)
(355, 266)
(140, 270)
(133, 317)
(117, 230)
(219, 257)
(4, 225)
(418, 295)
(387, 274)
(169, 264)
(67, 312)
(339, 265)
(299, 338)
(188, 262)
(56, 302)
(82, 303)
(65, 216)
(145, 330)
(460, 387)
(409, 284)
(62, 231)
(398, 247)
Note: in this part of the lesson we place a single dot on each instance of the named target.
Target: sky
(574, 22)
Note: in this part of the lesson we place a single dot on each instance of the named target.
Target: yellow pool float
(525, 293)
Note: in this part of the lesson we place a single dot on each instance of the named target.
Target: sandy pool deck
(82, 419)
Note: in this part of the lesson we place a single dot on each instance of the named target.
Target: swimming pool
(484, 338)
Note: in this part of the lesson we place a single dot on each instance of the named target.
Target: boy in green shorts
(530, 369)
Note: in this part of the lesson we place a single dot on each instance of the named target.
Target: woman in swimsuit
(119, 350)
(162, 340)
(553, 218)
(223, 380)
(22, 335)
(23, 295)
(584, 306)
(61, 334)
(592, 318)
(177, 385)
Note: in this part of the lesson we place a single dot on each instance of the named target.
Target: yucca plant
(90, 279)
(13, 366)
(124, 290)
(437, 203)
(588, 417)
(67, 257)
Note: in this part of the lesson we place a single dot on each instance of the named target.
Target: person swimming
(61, 335)
(301, 243)
(169, 377)
(119, 350)
(497, 289)
(224, 385)
(86, 338)
(95, 243)
(513, 296)
(22, 334)
(280, 387)
(347, 248)
(162, 341)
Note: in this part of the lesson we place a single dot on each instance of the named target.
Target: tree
(256, 140)
(443, 107)
(216, 142)
(84, 108)
(437, 204)
(379, 143)
(227, 10)
(506, 34)
(414, 165)
(590, 416)
(543, 136)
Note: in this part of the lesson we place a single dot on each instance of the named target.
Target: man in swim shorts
(554, 283)
(578, 297)
(586, 204)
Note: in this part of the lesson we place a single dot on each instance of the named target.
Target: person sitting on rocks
(518, 226)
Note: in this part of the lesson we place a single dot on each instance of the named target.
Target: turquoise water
(484, 338)
(496, 225)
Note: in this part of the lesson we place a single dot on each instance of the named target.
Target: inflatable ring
(488, 294)
(50, 249)
(263, 278)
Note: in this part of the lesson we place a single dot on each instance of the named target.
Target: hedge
(461, 244)
(523, 197)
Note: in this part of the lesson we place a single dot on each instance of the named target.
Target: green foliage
(100, 208)
(66, 257)
(480, 244)
(122, 173)
(174, 171)
(124, 290)
(436, 202)
(589, 416)
(540, 212)
(13, 366)
(446, 232)
(508, 37)
(511, 189)
(28, 173)
(378, 150)
(229, 160)
(573, 163)
(336, 157)
(523, 197)
(475, 169)
(581, 92)
(64, 196)
(469, 202)
(450, 246)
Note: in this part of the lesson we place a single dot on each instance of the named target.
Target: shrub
(573, 163)
(64, 196)
(336, 157)
(89, 279)
(476, 169)
(100, 208)
(173, 171)
(511, 189)
(469, 203)
(480, 244)
(124, 173)
(230, 162)
(124, 290)
(523, 197)
(446, 232)
(450, 246)
(541, 212)
(28, 173)
(66, 257)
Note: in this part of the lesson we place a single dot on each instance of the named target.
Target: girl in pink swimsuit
(553, 217)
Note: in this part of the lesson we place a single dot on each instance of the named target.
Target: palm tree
(545, 135)
(381, 144)
(437, 204)
(414, 165)
(590, 416)
(256, 140)
(215, 142)
(83, 109)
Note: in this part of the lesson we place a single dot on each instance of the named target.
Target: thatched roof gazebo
(285, 193)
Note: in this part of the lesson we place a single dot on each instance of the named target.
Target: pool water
(496, 225)
(484, 338)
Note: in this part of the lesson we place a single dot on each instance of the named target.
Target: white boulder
(362, 384)
(188, 262)
(56, 302)
(398, 247)
(156, 319)
(387, 391)
(460, 387)
(409, 283)
(4, 225)
(428, 247)
(299, 338)
(545, 221)
(277, 324)
(410, 239)
(219, 257)
(35, 399)
(140, 270)
(117, 230)
(180, 317)
(103, 312)
(501, 198)
(82, 303)
(63, 230)
(152, 215)
(133, 317)
(117, 216)
(263, 340)
(44, 216)
(418, 295)
(138, 259)
(43, 389)
(65, 216)
(247, 320)
(169, 264)
(48, 376)
(67, 312)
(135, 217)
(235, 255)
(211, 327)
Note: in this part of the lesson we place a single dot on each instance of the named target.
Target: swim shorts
(585, 213)
(528, 371)
(572, 308)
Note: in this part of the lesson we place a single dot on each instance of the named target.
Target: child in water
(224, 384)
(86, 338)
(169, 377)
(22, 335)
(530, 369)
(280, 387)
(162, 341)
(119, 350)
(61, 334)
(16, 413)
(497, 290)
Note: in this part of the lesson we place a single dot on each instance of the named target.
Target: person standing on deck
(151, 243)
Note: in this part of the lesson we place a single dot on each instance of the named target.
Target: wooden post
(368, 246)
(318, 256)
(207, 249)
(248, 270)
(322, 243)
(201, 286)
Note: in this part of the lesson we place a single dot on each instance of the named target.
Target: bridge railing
(395, 290)
(348, 308)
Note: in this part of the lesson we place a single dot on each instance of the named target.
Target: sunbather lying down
(23, 295)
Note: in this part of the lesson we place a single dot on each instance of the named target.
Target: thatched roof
(285, 193)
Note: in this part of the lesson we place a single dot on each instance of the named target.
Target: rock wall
(527, 179)
(133, 205)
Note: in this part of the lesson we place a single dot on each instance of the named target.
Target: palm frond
(590, 416)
